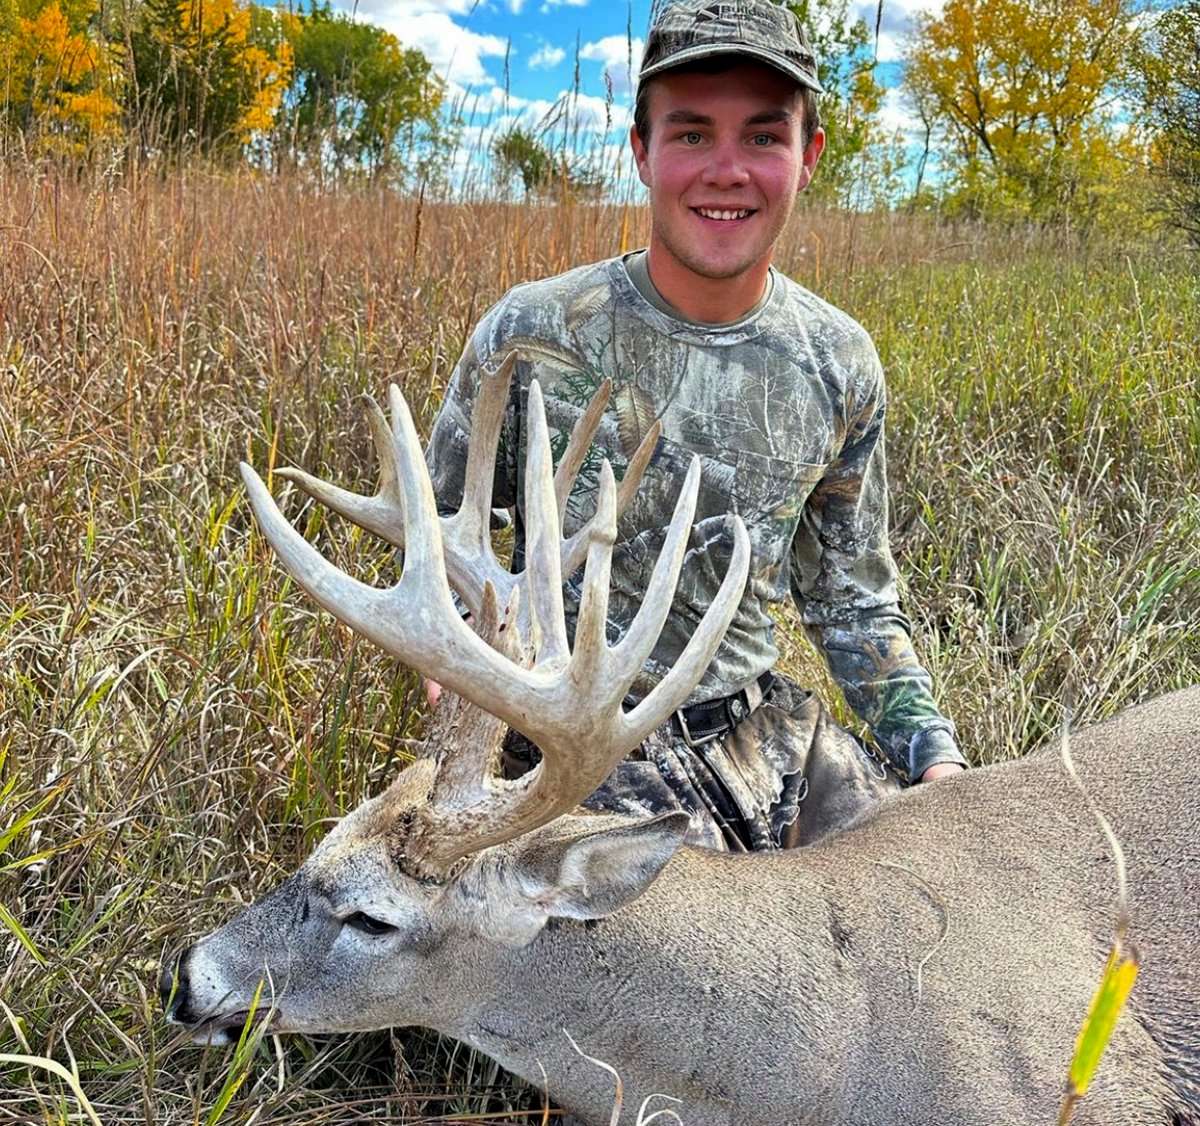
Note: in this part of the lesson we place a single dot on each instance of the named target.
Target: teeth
(710, 214)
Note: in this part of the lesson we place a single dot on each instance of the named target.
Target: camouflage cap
(686, 30)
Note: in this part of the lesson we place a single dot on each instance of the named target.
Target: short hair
(810, 108)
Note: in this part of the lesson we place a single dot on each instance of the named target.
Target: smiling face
(725, 157)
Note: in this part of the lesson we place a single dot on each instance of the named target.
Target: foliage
(208, 75)
(1021, 91)
(356, 92)
(1166, 84)
(522, 154)
(860, 162)
(61, 79)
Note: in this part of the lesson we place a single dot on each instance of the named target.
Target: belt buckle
(688, 738)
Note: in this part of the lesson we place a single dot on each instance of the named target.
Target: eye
(692, 138)
(763, 139)
(368, 924)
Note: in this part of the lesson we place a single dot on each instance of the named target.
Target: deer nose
(173, 988)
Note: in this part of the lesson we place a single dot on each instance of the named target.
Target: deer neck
(665, 989)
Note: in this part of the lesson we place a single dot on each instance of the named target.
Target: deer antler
(470, 560)
(570, 704)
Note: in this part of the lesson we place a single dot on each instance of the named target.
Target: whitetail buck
(930, 965)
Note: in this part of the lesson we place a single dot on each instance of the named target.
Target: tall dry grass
(178, 727)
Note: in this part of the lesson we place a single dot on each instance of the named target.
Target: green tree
(858, 166)
(208, 75)
(522, 154)
(1166, 82)
(358, 97)
(1020, 92)
(519, 153)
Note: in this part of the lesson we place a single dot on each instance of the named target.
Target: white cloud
(515, 6)
(485, 100)
(456, 52)
(896, 115)
(546, 57)
(615, 52)
(551, 4)
(591, 114)
(895, 23)
(569, 114)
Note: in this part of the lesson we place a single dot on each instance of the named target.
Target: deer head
(408, 912)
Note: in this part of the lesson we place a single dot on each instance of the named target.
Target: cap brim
(708, 50)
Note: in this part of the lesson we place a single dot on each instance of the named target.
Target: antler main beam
(569, 703)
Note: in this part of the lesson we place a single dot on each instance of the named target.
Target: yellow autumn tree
(61, 80)
(1021, 92)
(210, 75)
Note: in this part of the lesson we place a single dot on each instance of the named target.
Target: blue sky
(469, 41)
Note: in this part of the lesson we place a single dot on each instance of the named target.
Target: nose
(726, 167)
(173, 988)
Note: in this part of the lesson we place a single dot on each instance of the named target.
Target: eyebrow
(691, 117)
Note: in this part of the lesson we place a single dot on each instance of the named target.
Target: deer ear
(592, 876)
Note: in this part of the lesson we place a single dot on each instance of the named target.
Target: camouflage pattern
(786, 776)
(785, 409)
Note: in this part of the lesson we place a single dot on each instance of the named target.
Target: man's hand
(939, 770)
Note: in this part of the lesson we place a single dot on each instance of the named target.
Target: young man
(782, 397)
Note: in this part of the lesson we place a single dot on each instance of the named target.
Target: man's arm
(844, 583)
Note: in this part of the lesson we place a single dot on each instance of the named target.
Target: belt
(702, 723)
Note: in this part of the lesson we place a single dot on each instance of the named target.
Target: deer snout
(174, 989)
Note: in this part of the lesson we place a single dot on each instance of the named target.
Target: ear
(592, 876)
(640, 155)
(812, 153)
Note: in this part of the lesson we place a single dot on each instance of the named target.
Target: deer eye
(367, 924)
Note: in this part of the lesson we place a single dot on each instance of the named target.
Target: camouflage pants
(785, 776)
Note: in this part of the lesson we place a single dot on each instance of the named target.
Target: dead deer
(930, 965)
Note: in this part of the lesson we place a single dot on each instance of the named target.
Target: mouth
(725, 216)
(227, 1028)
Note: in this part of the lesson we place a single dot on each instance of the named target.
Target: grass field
(178, 726)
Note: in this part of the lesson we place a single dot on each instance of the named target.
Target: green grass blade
(19, 932)
(1109, 999)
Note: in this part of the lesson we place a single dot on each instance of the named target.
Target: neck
(705, 299)
(672, 998)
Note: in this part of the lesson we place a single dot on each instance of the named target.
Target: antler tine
(487, 419)
(543, 540)
(382, 513)
(470, 561)
(639, 640)
(578, 445)
(591, 640)
(637, 466)
(668, 695)
(575, 549)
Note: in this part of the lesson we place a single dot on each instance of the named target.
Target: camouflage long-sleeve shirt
(786, 410)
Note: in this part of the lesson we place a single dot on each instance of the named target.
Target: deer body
(829, 986)
(928, 966)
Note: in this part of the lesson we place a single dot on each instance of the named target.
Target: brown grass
(177, 726)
